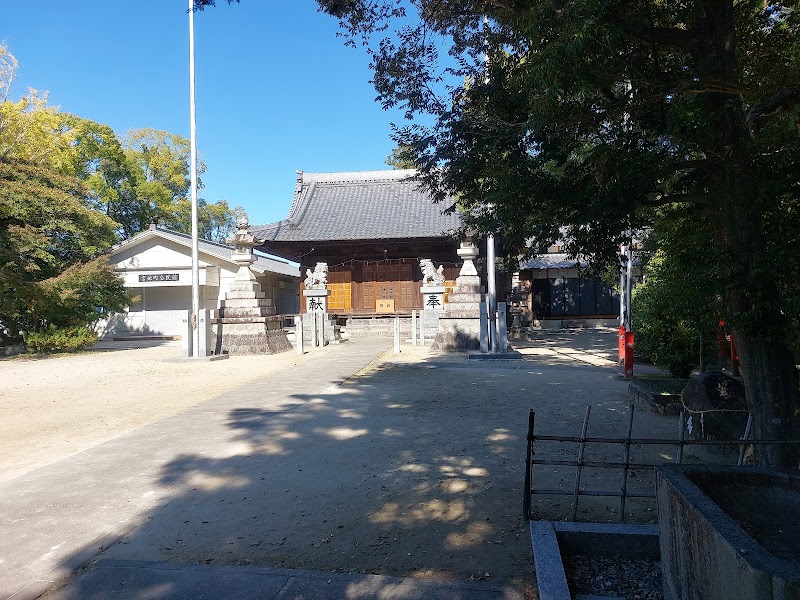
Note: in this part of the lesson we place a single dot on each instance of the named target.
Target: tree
(69, 189)
(676, 309)
(52, 274)
(401, 157)
(218, 221)
(159, 165)
(590, 115)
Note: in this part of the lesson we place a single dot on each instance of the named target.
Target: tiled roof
(357, 206)
(558, 260)
(262, 264)
(551, 261)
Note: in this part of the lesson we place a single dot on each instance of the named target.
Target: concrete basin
(729, 533)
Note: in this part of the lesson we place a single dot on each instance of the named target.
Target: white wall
(161, 307)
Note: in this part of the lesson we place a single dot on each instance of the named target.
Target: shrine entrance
(388, 281)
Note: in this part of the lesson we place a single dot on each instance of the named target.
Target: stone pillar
(432, 297)
(204, 345)
(298, 334)
(319, 320)
(460, 322)
(246, 320)
(313, 317)
(485, 322)
(502, 326)
(186, 334)
(317, 300)
(413, 327)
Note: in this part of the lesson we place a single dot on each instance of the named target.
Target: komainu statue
(430, 274)
(318, 279)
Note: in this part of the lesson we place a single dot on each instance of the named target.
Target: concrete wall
(705, 554)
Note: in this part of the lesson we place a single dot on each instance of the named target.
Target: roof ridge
(189, 237)
(356, 176)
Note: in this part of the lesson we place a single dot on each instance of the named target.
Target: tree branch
(761, 114)
(696, 198)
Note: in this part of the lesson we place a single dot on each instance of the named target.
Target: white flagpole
(491, 261)
(195, 347)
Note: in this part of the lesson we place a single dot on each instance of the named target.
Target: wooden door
(409, 289)
(387, 282)
(367, 286)
(340, 286)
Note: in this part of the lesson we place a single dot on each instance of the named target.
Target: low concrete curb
(494, 356)
(645, 399)
(550, 540)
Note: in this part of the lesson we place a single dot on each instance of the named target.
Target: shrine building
(371, 228)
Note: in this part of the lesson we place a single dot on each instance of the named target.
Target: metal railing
(626, 465)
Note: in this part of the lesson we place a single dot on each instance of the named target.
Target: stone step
(245, 286)
(241, 294)
(464, 313)
(244, 320)
(246, 302)
(464, 298)
(460, 307)
(384, 328)
(240, 313)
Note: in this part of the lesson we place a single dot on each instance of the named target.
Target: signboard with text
(153, 277)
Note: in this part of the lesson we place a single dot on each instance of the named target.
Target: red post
(621, 345)
(735, 368)
(628, 364)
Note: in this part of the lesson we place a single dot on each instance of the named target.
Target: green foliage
(79, 294)
(678, 304)
(666, 333)
(69, 189)
(51, 273)
(401, 157)
(588, 116)
(59, 339)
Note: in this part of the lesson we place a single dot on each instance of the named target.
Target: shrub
(662, 337)
(671, 309)
(59, 339)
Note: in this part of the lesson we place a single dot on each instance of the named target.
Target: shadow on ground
(407, 469)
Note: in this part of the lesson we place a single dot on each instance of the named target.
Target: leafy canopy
(70, 189)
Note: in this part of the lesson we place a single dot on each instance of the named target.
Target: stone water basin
(729, 532)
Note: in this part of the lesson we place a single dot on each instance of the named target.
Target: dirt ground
(413, 467)
(53, 406)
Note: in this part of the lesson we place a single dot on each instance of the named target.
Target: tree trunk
(771, 386)
(752, 300)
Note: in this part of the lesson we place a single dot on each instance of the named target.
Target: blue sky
(277, 91)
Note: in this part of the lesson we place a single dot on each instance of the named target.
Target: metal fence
(624, 466)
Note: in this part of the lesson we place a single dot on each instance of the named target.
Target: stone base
(332, 330)
(456, 334)
(251, 338)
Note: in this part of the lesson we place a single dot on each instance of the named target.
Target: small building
(156, 266)
(371, 228)
(556, 291)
